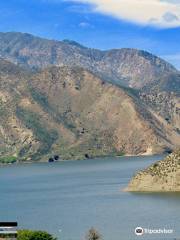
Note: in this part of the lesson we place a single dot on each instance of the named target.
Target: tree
(34, 235)
(93, 234)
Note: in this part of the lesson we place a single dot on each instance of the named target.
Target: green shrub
(120, 153)
(8, 159)
(34, 235)
(155, 165)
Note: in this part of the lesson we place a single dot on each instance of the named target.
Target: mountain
(59, 97)
(73, 113)
(127, 67)
(163, 176)
(156, 81)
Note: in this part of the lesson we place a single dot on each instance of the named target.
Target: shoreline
(85, 159)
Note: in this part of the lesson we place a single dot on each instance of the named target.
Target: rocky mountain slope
(163, 176)
(157, 82)
(164, 98)
(126, 67)
(75, 114)
(58, 97)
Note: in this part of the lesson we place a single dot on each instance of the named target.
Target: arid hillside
(73, 113)
(61, 98)
(155, 81)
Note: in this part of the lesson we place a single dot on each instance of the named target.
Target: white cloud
(84, 25)
(160, 13)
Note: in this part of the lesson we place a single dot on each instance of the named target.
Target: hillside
(163, 176)
(59, 97)
(73, 113)
(164, 99)
(155, 81)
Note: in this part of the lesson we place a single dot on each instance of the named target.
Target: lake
(68, 198)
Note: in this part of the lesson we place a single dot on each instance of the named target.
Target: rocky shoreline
(162, 176)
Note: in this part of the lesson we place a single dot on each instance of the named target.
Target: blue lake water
(68, 198)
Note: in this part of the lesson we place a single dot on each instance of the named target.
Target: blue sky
(98, 24)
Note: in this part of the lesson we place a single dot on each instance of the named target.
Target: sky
(151, 25)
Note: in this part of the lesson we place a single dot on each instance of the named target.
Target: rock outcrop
(162, 176)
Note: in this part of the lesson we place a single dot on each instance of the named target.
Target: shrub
(34, 235)
(8, 159)
(155, 165)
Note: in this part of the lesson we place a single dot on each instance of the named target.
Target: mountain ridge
(35, 52)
